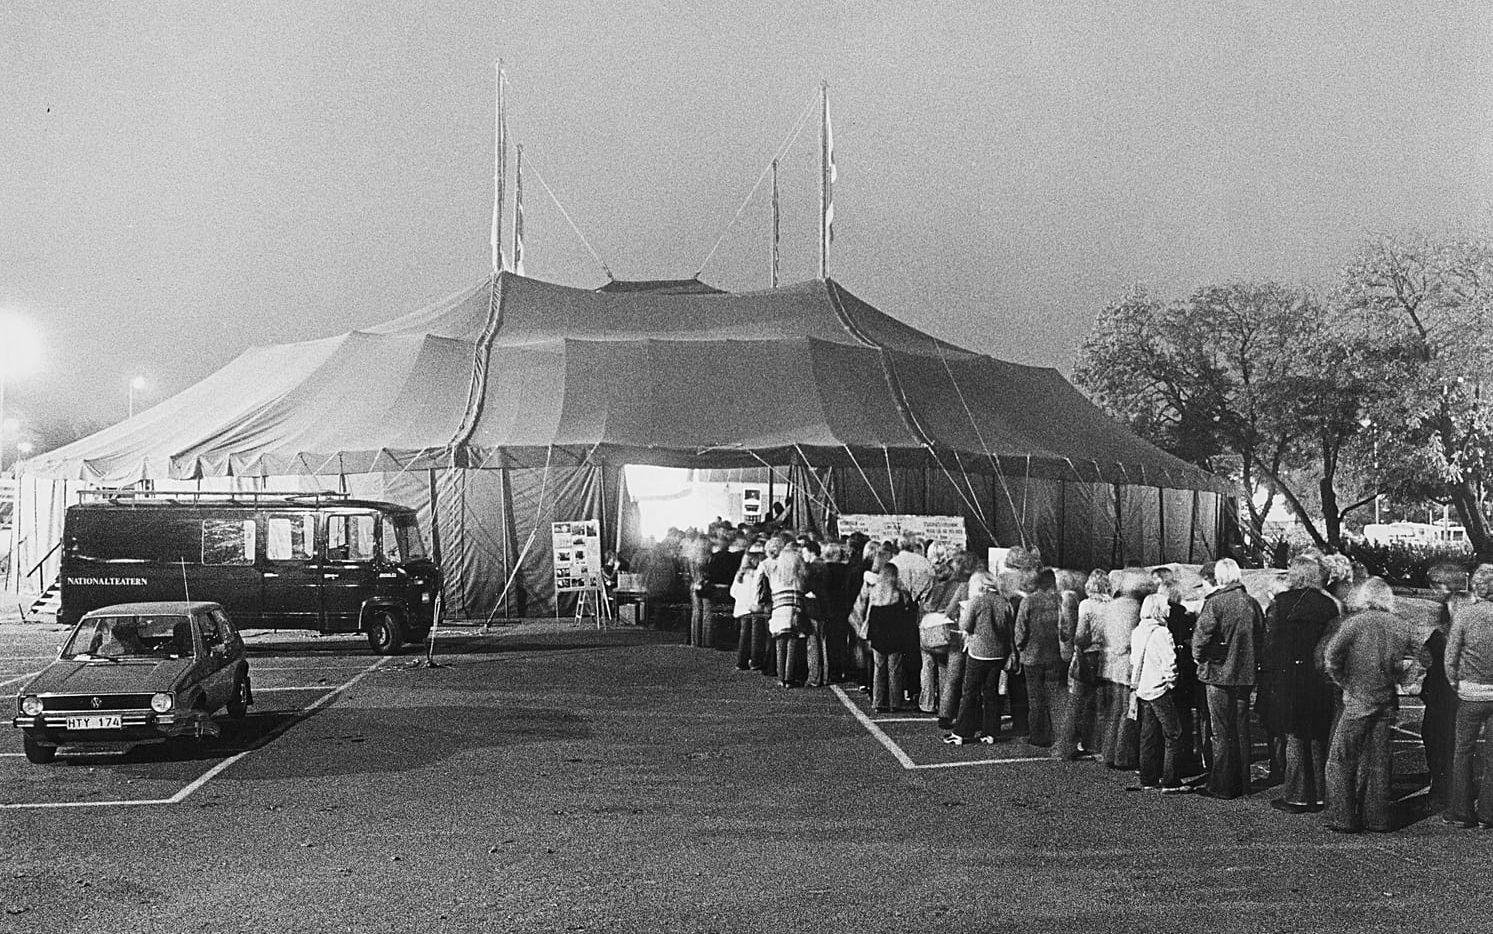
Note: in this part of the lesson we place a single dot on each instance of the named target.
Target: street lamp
(20, 351)
(1367, 424)
(136, 385)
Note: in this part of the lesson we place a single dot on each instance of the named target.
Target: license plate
(107, 722)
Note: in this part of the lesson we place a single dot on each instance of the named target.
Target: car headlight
(161, 703)
(31, 706)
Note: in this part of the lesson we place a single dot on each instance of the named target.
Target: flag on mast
(828, 174)
(518, 209)
(499, 173)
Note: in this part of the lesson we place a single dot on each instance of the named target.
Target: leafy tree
(1426, 304)
(1253, 369)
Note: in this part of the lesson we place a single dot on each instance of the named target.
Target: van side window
(291, 538)
(350, 537)
(228, 541)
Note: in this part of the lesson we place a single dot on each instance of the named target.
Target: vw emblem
(96, 703)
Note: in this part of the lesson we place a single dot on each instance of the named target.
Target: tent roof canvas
(520, 371)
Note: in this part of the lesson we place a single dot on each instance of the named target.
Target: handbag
(933, 633)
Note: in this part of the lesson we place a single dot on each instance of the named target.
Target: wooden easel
(597, 599)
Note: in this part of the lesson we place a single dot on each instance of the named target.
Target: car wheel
(238, 704)
(386, 633)
(36, 752)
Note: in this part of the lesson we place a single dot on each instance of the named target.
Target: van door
(348, 572)
(290, 573)
(227, 572)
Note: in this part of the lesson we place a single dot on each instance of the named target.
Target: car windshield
(402, 541)
(131, 637)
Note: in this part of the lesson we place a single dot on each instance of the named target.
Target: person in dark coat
(1300, 698)
(1227, 645)
(1438, 726)
(1038, 624)
(1365, 657)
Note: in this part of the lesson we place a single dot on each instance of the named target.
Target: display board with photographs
(577, 551)
(947, 531)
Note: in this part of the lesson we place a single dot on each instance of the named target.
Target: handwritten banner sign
(947, 531)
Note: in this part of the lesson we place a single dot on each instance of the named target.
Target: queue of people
(1119, 669)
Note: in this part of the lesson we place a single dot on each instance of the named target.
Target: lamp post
(19, 352)
(136, 384)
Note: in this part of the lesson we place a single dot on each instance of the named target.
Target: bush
(1411, 564)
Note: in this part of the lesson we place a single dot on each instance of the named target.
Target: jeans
(699, 617)
(935, 673)
(1160, 741)
(790, 656)
(1473, 718)
(1081, 723)
(1119, 738)
(818, 654)
(1438, 731)
(980, 701)
(952, 688)
(1044, 691)
(763, 655)
(886, 680)
(1228, 711)
(1306, 769)
(745, 658)
(1358, 767)
(1016, 700)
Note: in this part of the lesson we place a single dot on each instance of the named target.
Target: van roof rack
(134, 495)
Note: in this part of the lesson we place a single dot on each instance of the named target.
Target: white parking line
(295, 687)
(19, 678)
(218, 769)
(902, 756)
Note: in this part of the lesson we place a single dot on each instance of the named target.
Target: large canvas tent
(516, 402)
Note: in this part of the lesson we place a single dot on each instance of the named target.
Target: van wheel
(386, 633)
(36, 752)
(238, 703)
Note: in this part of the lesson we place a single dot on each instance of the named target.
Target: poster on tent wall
(577, 551)
(947, 531)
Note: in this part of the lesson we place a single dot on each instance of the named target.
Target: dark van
(273, 561)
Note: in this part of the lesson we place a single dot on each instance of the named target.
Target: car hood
(142, 676)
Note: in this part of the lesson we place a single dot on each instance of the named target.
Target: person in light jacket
(1469, 668)
(1088, 691)
(1153, 678)
(1365, 657)
(1121, 741)
(1227, 645)
(988, 624)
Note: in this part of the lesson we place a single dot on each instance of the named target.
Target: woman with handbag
(788, 622)
(1153, 678)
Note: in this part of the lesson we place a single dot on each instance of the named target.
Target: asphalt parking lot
(553, 777)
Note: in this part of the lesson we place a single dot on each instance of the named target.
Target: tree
(1426, 304)
(1255, 369)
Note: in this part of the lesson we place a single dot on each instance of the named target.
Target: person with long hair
(1119, 739)
(951, 679)
(1088, 694)
(1469, 668)
(1365, 657)
(1153, 678)
(988, 624)
(1226, 646)
(891, 630)
(1300, 698)
(1038, 626)
(788, 624)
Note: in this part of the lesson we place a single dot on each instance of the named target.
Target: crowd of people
(1125, 667)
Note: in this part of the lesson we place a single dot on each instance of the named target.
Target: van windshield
(402, 540)
(131, 637)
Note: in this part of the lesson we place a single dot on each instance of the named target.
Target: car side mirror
(218, 651)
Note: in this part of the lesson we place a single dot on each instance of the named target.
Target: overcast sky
(182, 181)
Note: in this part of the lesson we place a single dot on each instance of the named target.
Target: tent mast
(776, 219)
(827, 175)
(518, 209)
(499, 171)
